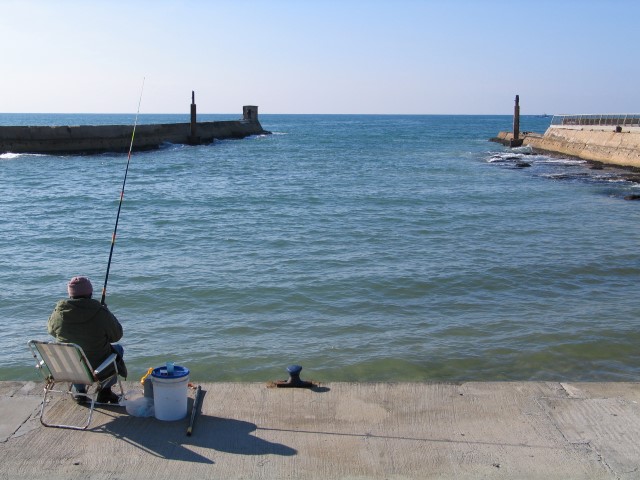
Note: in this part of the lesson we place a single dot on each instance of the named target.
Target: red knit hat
(80, 287)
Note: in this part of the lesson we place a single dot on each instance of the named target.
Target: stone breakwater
(600, 144)
(86, 139)
(117, 138)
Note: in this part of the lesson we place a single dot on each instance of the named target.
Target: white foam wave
(563, 161)
(523, 149)
(9, 156)
(505, 157)
(168, 145)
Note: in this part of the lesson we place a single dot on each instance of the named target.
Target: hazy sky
(329, 56)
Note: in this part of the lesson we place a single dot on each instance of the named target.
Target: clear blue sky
(324, 56)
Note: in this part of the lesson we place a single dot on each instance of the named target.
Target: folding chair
(66, 362)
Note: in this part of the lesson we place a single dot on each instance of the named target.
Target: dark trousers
(117, 348)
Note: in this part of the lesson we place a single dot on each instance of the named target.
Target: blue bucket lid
(178, 372)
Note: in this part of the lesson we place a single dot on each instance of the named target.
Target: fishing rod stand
(294, 380)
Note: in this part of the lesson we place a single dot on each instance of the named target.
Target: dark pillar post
(516, 142)
(193, 113)
(516, 119)
(193, 138)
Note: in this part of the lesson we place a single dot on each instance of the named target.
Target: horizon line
(278, 113)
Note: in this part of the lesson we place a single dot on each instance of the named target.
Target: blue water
(365, 248)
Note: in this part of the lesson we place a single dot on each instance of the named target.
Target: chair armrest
(110, 359)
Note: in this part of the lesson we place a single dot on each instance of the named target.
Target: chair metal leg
(49, 388)
(121, 390)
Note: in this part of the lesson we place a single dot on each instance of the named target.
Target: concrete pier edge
(604, 146)
(339, 430)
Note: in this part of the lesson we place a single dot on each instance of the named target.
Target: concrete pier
(515, 430)
(600, 144)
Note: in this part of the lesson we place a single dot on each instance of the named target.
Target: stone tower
(250, 113)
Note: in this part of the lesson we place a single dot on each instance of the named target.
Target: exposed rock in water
(631, 178)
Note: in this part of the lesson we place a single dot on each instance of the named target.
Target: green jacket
(88, 323)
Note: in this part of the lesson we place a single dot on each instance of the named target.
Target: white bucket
(170, 392)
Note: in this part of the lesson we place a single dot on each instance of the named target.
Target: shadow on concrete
(169, 439)
(316, 388)
(319, 389)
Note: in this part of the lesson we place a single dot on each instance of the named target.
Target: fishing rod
(115, 228)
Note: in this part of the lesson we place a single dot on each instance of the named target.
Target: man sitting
(86, 322)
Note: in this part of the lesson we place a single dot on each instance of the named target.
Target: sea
(364, 248)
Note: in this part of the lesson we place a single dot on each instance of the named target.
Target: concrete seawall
(601, 144)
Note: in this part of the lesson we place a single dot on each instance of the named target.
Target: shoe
(80, 399)
(107, 396)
